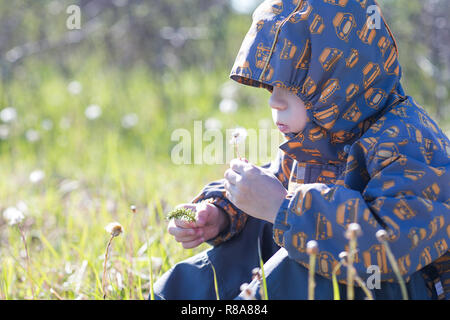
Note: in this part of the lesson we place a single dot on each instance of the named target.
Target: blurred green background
(86, 118)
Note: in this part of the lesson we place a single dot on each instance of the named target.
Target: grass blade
(336, 293)
(261, 265)
(216, 287)
(152, 293)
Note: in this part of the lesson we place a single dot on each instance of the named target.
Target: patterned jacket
(368, 154)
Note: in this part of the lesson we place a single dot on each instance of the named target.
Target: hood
(326, 52)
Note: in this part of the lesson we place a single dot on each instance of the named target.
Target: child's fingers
(180, 232)
(193, 244)
(238, 165)
(203, 216)
(183, 223)
(210, 232)
(231, 176)
(187, 238)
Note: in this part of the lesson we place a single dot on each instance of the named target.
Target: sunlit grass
(95, 169)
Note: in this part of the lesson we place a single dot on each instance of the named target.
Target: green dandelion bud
(182, 214)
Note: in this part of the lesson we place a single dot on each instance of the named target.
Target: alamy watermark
(374, 17)
(211, 146)
(73, 21)
(374, 280)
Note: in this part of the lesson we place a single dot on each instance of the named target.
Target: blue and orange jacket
(368, 154)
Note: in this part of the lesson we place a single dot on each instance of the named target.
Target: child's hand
(254, 190)
(210, 221)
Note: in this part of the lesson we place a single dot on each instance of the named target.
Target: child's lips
(283, 128)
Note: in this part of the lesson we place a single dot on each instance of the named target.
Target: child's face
(288, 110)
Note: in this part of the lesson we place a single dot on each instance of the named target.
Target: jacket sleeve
(405, 193)
(214, 192)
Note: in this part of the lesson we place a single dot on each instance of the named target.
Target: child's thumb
(201, 218)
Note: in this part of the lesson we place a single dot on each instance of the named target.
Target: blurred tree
(422, 31)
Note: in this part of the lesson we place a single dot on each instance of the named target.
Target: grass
(265, 293)
(95, 169)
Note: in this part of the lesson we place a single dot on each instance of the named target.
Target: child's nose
(277, 104)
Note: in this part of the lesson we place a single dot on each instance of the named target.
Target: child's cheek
(297, 120)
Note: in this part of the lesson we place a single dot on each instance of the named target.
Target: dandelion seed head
(213, 124)
(312, 247)
(8, 114)
(129, 120)
(256, 273)
(228, 106)
(382, 235)
(22, 206)
(37, 176)
(343, 255)
(229, 90)
(114, 228)
(243, 286)
(93, 112)
(353, 231)
(13, 216)
(74, 87)
(47, 124)
(247, 292)
(238, 136)
(32, 135)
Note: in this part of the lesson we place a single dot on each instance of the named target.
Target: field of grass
(72, 170)
(77, 152)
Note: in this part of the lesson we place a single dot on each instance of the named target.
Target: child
(358, 150)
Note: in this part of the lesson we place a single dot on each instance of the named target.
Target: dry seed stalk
(312, 248)
(30, 279)
(382, 237)
(114, 229)
(104, 266)
(353, 231)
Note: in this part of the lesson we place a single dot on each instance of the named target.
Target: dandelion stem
(394, 264)
(130, 255)
(56, 294)
(152, 293)
(383, 237)
(353, 231)
(261, 265)
(350, 269)
(30, 279)
(236, 149)
(311, 282)
(104, 266)
(362, 285)
(312, 249)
